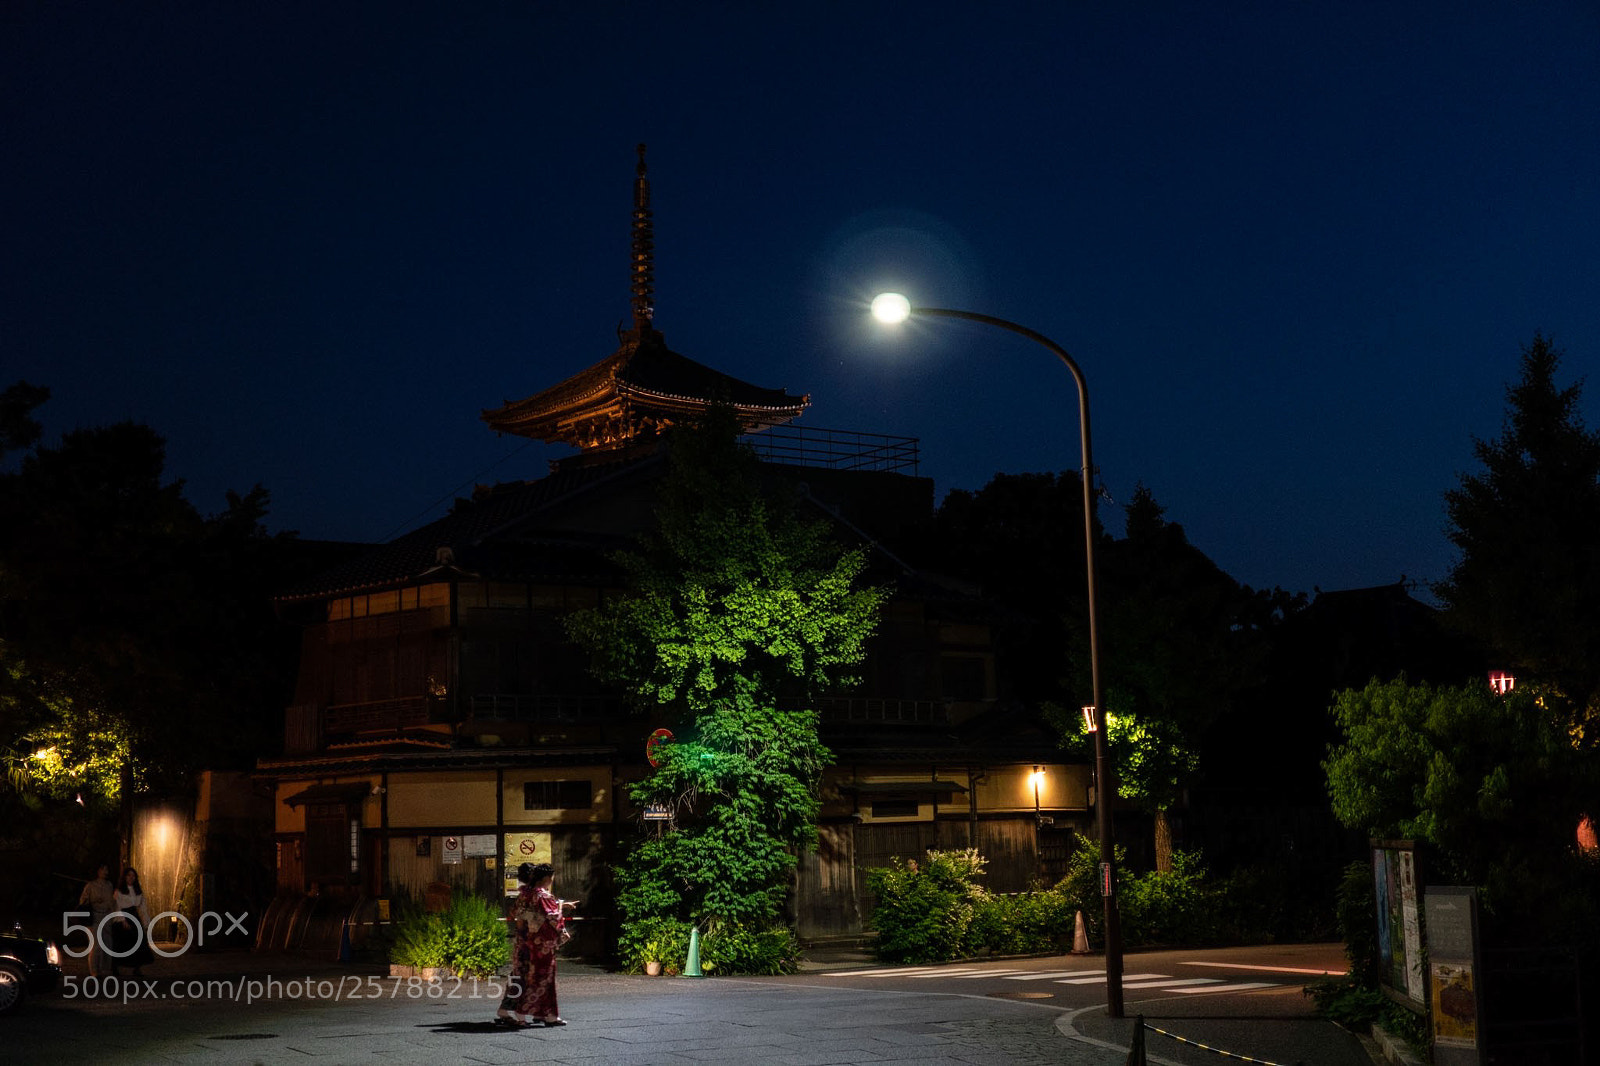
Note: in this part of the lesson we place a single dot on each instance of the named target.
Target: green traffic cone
(691, 968)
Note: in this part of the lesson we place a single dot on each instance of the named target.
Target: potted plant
(653, 953)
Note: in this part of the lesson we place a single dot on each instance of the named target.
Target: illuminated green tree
(1490, 784)
(739, 611)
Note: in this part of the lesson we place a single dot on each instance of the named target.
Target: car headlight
(52, 954)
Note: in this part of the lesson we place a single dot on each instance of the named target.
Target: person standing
(129, 898)
(539, 929)
(99, 896)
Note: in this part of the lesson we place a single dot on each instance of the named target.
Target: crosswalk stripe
(964, 971)
(1271, 969)
(892, 971)
(1050, 974)
(1174, 984)
(1125, 977)
(1245, 986)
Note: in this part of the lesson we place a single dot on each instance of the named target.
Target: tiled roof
(475, 531)
(642, 370)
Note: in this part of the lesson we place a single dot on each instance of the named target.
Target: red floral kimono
(541, 929)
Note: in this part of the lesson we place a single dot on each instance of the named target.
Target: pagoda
(644, 387)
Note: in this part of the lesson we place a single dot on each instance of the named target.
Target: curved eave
(676, 403)
(377, 585)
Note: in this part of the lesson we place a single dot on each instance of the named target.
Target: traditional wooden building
(444, 729)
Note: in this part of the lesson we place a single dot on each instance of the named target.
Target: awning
(349, 792)
(901, 788)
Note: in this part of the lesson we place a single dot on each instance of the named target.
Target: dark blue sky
(1296, 247)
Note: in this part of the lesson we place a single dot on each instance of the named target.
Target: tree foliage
(1181, 640)
(1491, 783)
(1527, 582)
(738, 611)
(133, 630)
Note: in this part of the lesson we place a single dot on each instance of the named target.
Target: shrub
(476, 942)
(1357, 913)
(923, 911)
(418, 940)
(737, 949)
(468, 937)
(1177, 908)
(663, 940)
(1022, 924)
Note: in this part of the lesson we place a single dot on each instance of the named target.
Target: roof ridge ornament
(643, 258)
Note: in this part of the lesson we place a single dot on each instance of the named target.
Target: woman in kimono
(539, 929)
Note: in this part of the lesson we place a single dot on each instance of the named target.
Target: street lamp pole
(892, 307)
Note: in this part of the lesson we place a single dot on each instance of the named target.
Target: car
(27, 967)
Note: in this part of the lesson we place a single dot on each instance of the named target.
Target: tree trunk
(125, 817)
(1163, 842)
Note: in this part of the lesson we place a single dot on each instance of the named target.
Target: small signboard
(521, 847)
(479, 846)
(652, 747)
(1394, 877)
(452, 849)
(657, 812)
(1453, 983)
(1105, 879)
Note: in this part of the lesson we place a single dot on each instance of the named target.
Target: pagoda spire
(644, 253)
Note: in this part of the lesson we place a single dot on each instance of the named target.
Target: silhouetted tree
(1527, 583)
(1181, 640)
(144, 631)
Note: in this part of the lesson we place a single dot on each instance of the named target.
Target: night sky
(1296, 247)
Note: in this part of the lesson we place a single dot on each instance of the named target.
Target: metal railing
(887, 711)
(521, 707)
(835, 449)
(377, 715)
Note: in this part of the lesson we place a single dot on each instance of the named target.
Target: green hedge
(933, 909)
(468, 937)
(725, 947)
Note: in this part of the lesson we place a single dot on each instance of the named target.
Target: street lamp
(891, 307)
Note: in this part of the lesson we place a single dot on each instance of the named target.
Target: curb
(1394, 1049)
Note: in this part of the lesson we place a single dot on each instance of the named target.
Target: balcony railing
(884, 711)
(835, 449)
(504, 707)
(378, 716)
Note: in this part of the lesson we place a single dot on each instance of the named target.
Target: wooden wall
(831, 897)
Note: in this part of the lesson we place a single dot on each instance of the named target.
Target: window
(894, 808)
(965, 677)
(557, 795)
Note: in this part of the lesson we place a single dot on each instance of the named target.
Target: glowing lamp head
(891, 307)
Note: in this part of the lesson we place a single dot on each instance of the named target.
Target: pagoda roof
(642, 388)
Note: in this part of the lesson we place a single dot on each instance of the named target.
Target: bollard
(1136, 1055)
(691, 968)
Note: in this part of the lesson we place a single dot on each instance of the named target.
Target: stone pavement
(615, 1019)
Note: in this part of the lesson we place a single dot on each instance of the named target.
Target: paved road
(335, 1014)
